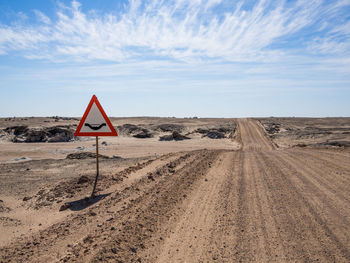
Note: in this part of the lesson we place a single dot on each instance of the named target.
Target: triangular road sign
(95, 121)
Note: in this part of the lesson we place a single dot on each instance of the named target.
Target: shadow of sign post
(86, 202)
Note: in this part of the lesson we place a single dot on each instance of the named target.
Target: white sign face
(95, 122)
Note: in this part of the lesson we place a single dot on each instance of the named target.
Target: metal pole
(97, 168)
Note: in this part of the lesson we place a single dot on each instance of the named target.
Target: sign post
(97, 168)
(95, 123)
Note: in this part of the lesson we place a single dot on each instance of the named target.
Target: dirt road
(258, 204)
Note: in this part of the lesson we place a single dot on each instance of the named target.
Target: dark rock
(150, 177)
(143, 135)
(88, 239)
(168, 127)
(273, 128)
(50, 134)
(17, 130)
(130, 129)
(175, 136)
(202, 131)
(215, 135)
(26, 198)
(92, 213)
(34, 136)
(59, 134)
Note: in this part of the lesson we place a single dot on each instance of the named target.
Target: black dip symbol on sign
(95, 127)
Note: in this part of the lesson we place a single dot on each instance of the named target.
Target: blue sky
(206, 58)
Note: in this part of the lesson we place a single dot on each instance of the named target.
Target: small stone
(92, 213)
(114, 250)
(133, 249)
(150, 177)
(26, 198)
(99, 225)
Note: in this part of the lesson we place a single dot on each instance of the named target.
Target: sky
(182, 58)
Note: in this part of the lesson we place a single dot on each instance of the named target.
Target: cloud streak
(179, 30)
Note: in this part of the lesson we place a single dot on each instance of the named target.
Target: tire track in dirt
(154, 208)
(222, 238)
(50, 243)
(188, 241)
(253, 136)
(321, 176)
(256, 224)
(332, 159)
(312, 238)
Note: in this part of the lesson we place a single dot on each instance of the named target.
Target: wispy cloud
(179, 30)
(42, 17)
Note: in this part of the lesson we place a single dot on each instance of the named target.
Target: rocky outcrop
(216, 133)
(47, 134)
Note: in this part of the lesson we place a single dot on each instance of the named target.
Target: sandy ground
(126, 147)
(308, 132)
(247, 201)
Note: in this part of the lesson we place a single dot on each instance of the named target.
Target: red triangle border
(92, 101)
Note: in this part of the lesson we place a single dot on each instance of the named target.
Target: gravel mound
(85, 155)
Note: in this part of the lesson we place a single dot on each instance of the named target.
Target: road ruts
(253, 137)
(264, 204)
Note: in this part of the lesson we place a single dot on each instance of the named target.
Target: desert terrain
(176, 190)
